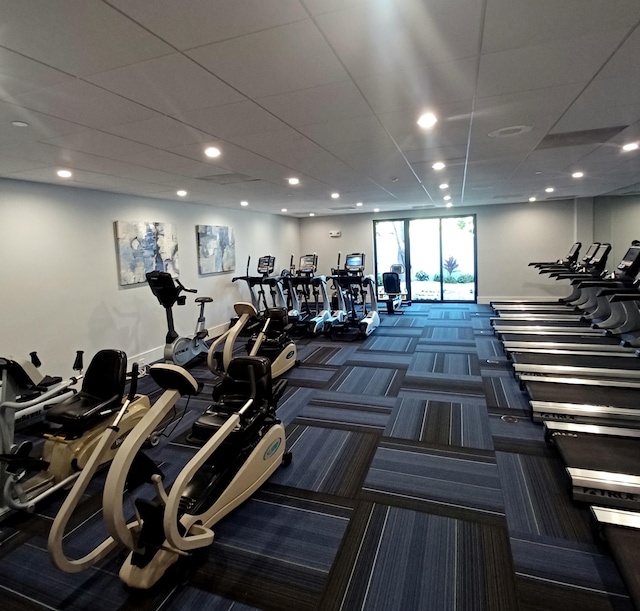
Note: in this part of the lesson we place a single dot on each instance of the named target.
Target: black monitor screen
(630, 258)
(602, 251)
(591, 250)
(266, 264)
(354, 261)
(307, 263)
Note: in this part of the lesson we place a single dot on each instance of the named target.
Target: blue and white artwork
(144, 246)
(216, 249)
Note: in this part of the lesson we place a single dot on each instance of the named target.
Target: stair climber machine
(238, 444)
(177, 349)
(358, 293)
(76, 423)
(271, 340)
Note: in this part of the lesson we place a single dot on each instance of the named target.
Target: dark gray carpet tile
(490, 348)
(417, 561)
(509, 427)
(448, 313)
(434, 395)
(447, 347)
(376, 359)
(403, 321)
(194, 598)
(454, 386)
(326, 460)
(368, 381)
(293, 402)
(449, 364)
(27, 571)
(312, 376)
(549, 595)
(538, 501)
(388, 344)
(481, 322)
(502, 390)
(450, 478)
(394, 331)
(580, 567)
(440, 422)
(448, 334)
(336, 412)
(318, 354)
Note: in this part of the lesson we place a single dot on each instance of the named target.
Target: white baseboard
(157, 354)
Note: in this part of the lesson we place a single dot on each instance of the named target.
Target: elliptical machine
(179, 350)
(77, 423)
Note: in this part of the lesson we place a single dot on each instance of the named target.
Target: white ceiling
(127, 94)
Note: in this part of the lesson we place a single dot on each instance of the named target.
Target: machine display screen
(307, 263)
(630, 258)
(354, 262)
(266, 264)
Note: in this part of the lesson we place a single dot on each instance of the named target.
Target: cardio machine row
(577, 359)
(238, 442)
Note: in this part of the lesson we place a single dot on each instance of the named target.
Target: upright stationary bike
(179, 350)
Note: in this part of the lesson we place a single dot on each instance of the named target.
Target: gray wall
(60, 287)
(617, 220)
(509, 237)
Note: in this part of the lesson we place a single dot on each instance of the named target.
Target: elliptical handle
(78, 364)
(135, 372)
(35, 361)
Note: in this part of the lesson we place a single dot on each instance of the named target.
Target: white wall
(60, 289)
(509, 237)
(617, 222)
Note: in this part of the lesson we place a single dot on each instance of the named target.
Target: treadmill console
(630, 264)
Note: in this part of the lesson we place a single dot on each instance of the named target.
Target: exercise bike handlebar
(182, 287)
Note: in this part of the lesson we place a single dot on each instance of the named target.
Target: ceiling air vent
(343, 208)
(228, 179)
(587, 136)
(422, 206)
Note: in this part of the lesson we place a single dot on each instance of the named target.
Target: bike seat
(203, 300)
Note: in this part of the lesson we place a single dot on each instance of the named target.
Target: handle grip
(79, 362)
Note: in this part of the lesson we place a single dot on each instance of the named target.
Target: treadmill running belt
(625, 546)
(583, 395)
(613, 454)
(576, 360)
(592, 338)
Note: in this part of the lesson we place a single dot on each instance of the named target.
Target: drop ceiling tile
(383, 37)
(161, 132)
(560, 62)
(90, 36)
(194, 23)
(169, 84)
(418, 88)
(171, 162)
(512, 24)
(98, 143)
(9, 165)
(85, 104)
(355, 129)
(233, 120)
(19, 74)
(263, 64)
(318, 105)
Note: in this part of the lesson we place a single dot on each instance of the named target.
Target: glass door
(437, 257)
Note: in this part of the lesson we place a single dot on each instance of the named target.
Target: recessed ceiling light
(181, 193)
(64, 173)
(549, 190)
(359, 204)
(335, 195)
(428, 119)
(532, 199)
(376, 209)
(447, 198)
(508, 132)
(283, 209)
(19, 124)
(244, 203)
(577, 175)
(212, 151)
(438, 165)
(444, 185)
(294, 181)
(449, 204)
(311, 214)
(632, 146)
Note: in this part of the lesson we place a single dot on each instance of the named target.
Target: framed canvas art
(144, 246)
(216, 249)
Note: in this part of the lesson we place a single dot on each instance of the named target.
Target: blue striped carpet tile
(582, 571)
(317, 353)
(326, 460)
(448, 313)
(518, 434)
(377, 359)
(440, 422)
(453, 386)
(293, 402)
(448, 335)
(537, 499)
(503, 391)
(413, 561)
(381, 381)
(311, 376)
(358, 413)
(386, 330)
(195, 598)
(457, 479)
(386, 343)
(453, 364)
(490, 348)
(403, 321)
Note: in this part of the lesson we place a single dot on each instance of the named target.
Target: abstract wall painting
(216, 249)
(144, 246)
